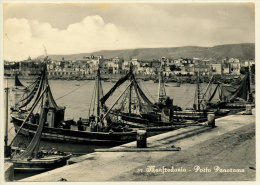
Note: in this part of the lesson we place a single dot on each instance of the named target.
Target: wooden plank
(138, 149)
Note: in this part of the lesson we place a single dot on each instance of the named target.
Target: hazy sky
(66, 28)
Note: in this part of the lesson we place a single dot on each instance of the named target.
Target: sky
(68, 28)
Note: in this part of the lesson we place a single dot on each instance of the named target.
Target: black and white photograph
(121, 91)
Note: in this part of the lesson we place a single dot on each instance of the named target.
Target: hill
(240, 51)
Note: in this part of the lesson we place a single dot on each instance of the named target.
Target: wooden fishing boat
(232, 96)
(134, 109)
(62, 135)
(31, 158)
(200, 110)
(58, 129)
(46, 161)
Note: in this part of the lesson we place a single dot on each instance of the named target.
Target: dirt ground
(232, 155)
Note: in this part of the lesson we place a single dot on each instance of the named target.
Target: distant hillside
(241, 51)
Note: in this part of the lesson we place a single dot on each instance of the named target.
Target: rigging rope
(91, 101)
(94, 100)
(10, 130)
(193, 97)
(71, 92)
(142, 85)
(123, 103)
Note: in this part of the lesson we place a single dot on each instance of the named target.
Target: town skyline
(70, 28)
(243, 51)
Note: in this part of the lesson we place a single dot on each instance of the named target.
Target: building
(202, 69)
(216, 68)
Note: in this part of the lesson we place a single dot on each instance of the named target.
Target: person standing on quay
(80, 125)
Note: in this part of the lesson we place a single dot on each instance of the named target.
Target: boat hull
(231, 105)
(199, 116)
(20, 89)
(190, 115)
(236, 105)
(42, 164)
(75, 136)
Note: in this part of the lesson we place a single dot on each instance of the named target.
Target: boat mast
(130, 91)
(6, 116)
(130, 99)
(203, 96)
(198, 90)
(250, 97)
(161, 89)
(98, 93)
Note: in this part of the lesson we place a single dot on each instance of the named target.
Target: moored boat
(232, 96)
(200, 110)
(45, 161)
(59, 130)
(133, 108)
(31, 158)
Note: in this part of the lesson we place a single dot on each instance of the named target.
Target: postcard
(121, 91)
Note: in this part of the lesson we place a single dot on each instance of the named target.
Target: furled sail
(111, 91)
(142, 94)
(134, 100)
(39, 86)
(34, 144)
(229, 93)
(128, 76)
(32, 92)
(17, 82)
(37, 93)
(214, 93)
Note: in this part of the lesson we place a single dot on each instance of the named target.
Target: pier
(206, 153)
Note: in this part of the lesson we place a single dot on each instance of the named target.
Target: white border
(257, 50)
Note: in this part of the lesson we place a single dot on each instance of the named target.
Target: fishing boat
(60, 130)
(200, 110)
(232, 96)
(31, 158)
(134, 109)
(163, 101)
(96, 122)
(18, 86)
